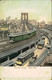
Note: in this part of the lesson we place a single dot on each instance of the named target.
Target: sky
(37, 9)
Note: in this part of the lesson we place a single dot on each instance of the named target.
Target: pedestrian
(36, 57)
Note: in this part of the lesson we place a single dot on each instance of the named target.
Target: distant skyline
(37, 9)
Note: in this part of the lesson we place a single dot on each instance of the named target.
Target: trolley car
(16, 37)
(23, 57)
(41, 44)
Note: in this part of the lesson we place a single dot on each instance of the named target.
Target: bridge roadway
(20, 45)
(42, 55)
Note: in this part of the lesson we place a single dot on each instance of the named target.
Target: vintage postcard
(25, 40)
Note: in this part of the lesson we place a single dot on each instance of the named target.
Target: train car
(41, 44)
(22, 36)
(43, 37)
(23, 57)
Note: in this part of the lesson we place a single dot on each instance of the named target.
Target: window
(13, 55)
(3, 59)
(23, 50)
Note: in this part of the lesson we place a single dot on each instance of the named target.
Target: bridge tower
(24, 17)
(24, 21)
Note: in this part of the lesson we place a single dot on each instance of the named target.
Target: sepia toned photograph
(25, 39)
